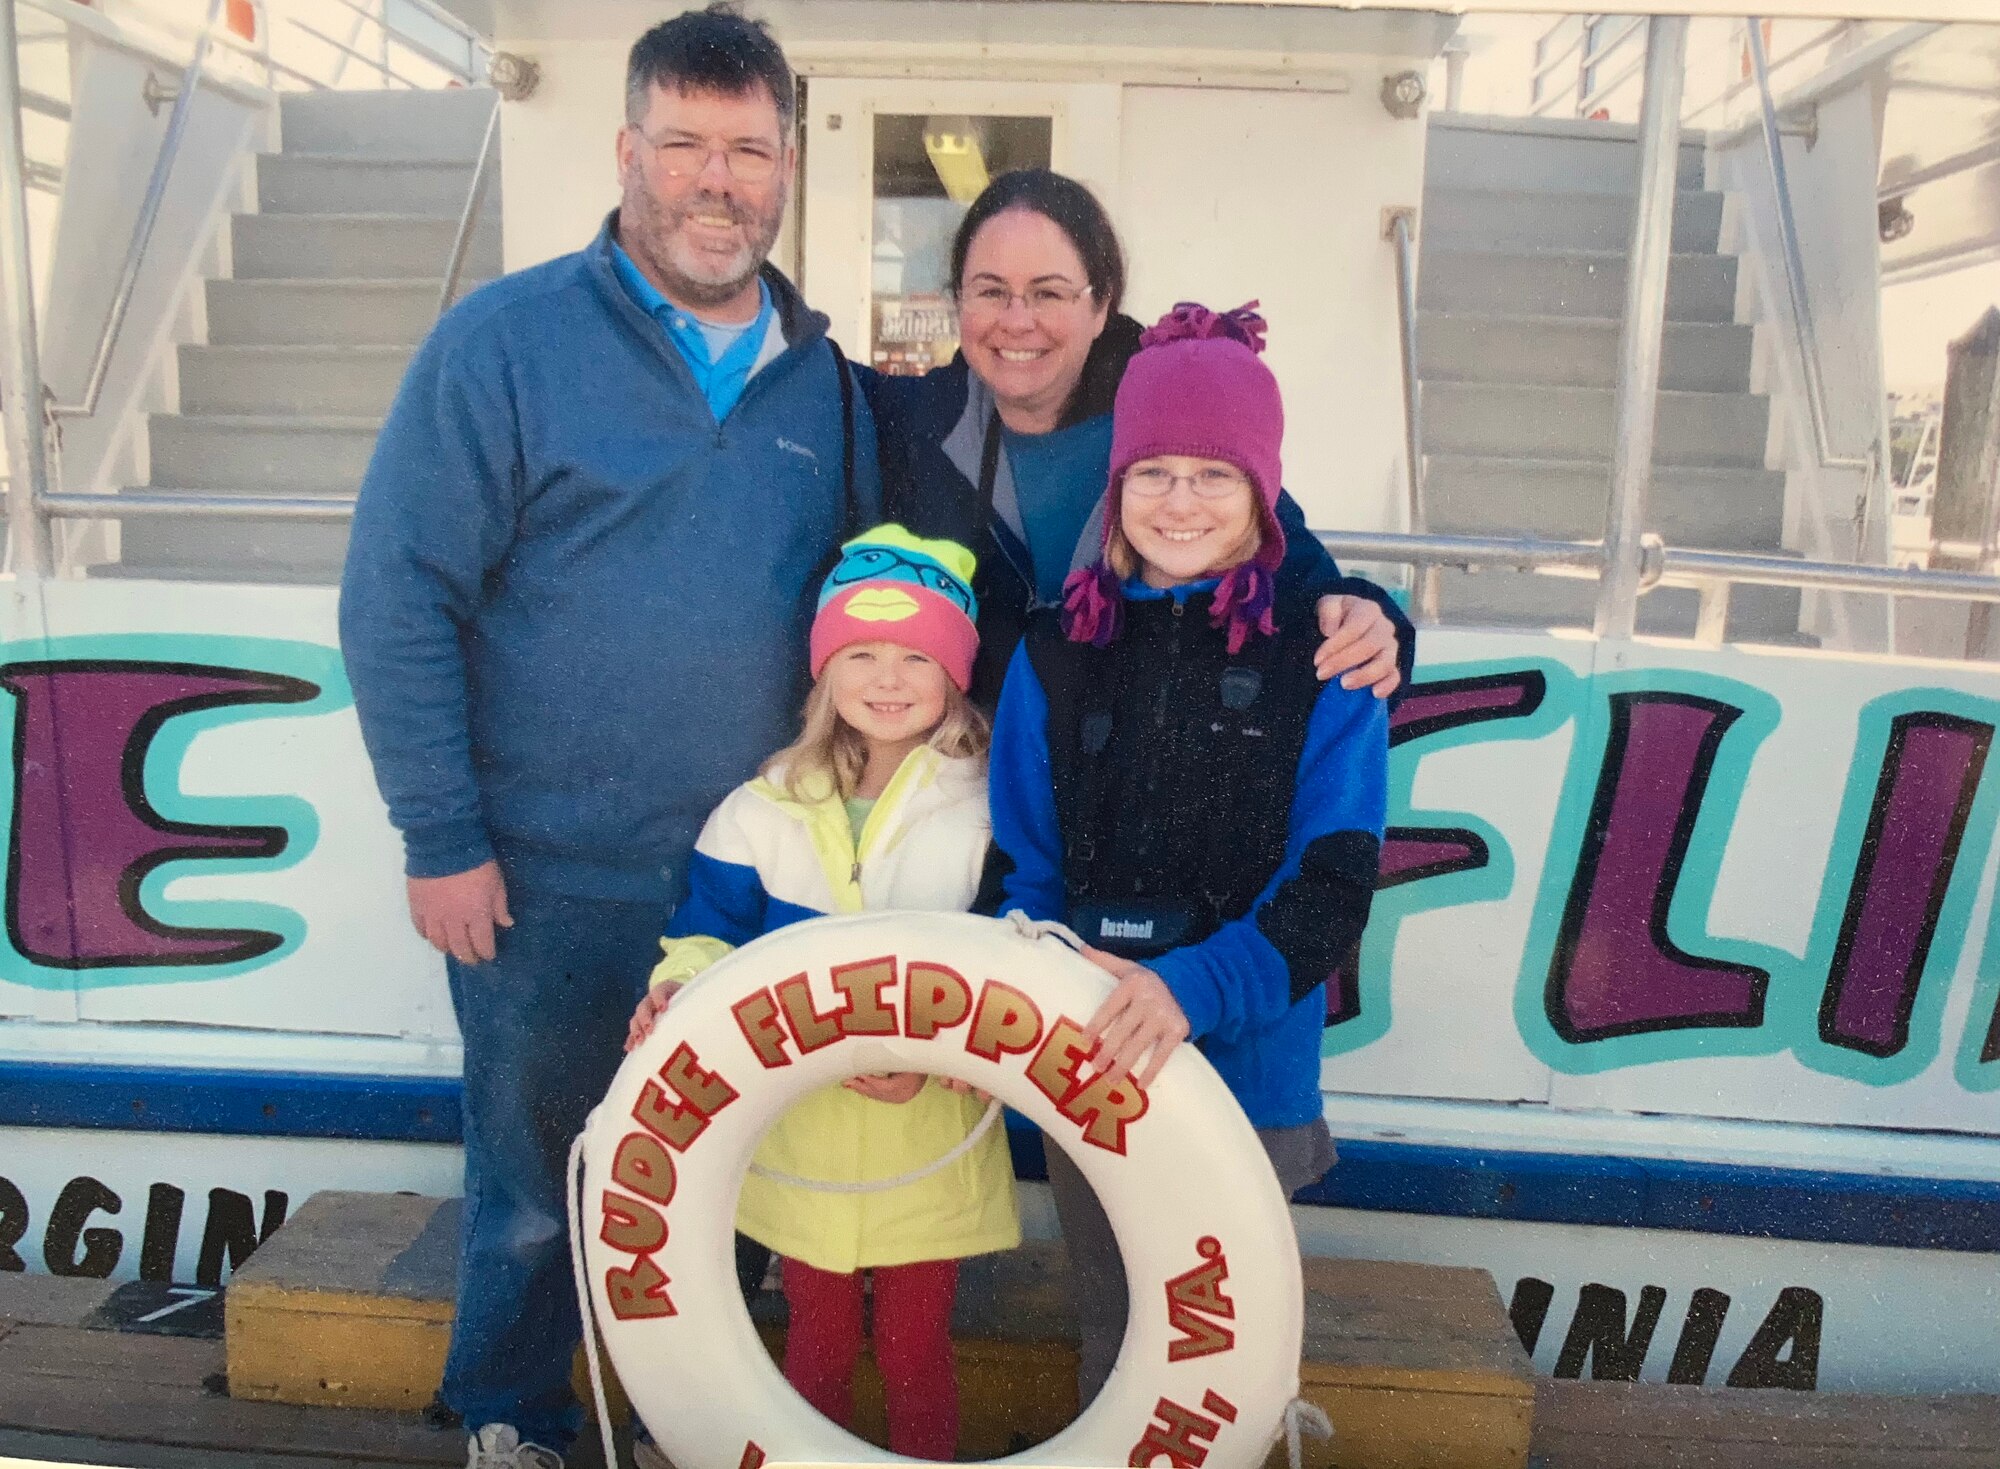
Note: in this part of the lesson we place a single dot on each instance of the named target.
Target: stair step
(448, 122)
(257, 454)
(392, 313)
(1550, 219)
(1698, 356)
(1579, 283)
(268, 552)
(338, 183)
(356, 381)
(1417, 1364)
(1565, 499)
(1573, 157)
(358, 246)
(1538, 421)
(1508, 599)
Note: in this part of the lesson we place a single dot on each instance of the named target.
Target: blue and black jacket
(1216, 818)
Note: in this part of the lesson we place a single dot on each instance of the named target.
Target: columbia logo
(1124, 928)
(800, 449)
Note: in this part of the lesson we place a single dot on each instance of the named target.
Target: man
(574, 614)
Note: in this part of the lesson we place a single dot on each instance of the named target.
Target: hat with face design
(894, 587)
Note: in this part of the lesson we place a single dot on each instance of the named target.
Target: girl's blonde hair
(830, 749)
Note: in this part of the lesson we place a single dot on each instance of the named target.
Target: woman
(1007, 449)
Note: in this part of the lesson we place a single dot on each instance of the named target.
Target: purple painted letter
(85, 835)
(1615, 971)
(1930, 774)
(1412, 853)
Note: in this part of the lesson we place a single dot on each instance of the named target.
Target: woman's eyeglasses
(1046, 300)
(1210, 483)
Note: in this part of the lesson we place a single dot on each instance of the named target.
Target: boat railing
(1805, 335)
(1590, 65)
(1597, 39)
(35, 494)
(380, 38)
(142, 229)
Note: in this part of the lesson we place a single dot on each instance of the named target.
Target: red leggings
(912, 1347)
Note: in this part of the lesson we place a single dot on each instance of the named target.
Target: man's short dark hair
(712, 50)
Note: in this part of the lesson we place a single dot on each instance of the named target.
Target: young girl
(1165, 763)
(880, 804)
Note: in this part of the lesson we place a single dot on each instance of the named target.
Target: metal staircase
(333, 282)
(1525, 227)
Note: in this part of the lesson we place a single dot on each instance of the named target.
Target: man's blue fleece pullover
(575, 606)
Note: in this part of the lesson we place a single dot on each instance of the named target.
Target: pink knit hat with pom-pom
(1195, 387)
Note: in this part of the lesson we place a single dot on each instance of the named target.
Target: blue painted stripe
(1640, 1193)
(1661, 1193)
(1464, 1183)
(417, 1109)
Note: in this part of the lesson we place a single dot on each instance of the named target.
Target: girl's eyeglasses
(1209, 483)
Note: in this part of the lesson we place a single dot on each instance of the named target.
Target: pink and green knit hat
(1196, 387)
(894, 587)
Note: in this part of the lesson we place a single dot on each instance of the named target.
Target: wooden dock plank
(17, 1448)
(397, 1245)
(52, 1300)
(162, 1390)
(1648, 1426)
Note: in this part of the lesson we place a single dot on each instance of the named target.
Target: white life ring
(1211, 1353)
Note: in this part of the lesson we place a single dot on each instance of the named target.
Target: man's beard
(650, 227)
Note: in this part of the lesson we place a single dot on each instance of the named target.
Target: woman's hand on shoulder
(887, 1086)
(1139, 1025)
(1360, 648)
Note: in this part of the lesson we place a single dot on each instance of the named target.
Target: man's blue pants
(544, 1027)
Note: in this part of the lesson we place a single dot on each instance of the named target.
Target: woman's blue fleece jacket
(575, 606)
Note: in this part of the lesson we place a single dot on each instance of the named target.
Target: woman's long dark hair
(1071, 207)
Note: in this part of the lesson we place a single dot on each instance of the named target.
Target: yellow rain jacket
(765, 860)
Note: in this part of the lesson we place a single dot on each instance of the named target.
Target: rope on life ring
(1208, 1373)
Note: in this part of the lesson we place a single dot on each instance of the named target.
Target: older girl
(1171, 780)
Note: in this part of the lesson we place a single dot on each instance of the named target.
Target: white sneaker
(648, 1455)
(499, 1446)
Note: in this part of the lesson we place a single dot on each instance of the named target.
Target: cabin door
(890, 168)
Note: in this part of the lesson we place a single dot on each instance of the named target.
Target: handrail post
(26, 431)
(1644, 326)
(1788, 240)
(142, 228)
(1399, 232)
(474, 197)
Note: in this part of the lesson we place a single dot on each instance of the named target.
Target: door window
(929, 167)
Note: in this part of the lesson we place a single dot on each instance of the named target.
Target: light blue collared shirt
(722, 358)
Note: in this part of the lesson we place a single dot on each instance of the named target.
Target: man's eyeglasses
(1047, 300)
(748, 163)
(877, 562)
(1210, 483)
